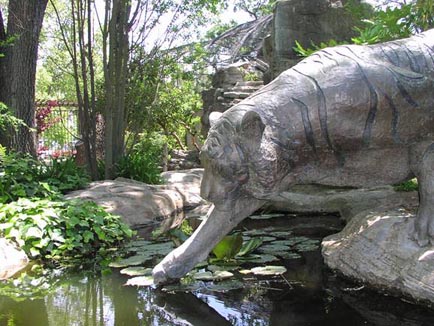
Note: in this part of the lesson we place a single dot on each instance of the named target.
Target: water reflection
(307, 294)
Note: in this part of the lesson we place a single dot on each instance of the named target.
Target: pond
(306, 294)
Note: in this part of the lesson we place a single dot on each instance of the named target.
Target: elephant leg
(196, 248)
(424, 223)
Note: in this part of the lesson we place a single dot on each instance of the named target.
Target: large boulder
(12, 259)
(375, 248)
(140, 204)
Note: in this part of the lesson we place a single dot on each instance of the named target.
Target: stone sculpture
(355, 116)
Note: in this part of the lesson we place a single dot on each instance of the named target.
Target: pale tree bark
(18, 68)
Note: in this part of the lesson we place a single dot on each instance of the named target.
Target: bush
(24, 177)
(54, 230)
(143, 163)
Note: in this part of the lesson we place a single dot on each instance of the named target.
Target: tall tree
(116, 30)
(78, 38)
(19, 39)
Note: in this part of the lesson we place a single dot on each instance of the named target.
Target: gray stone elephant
(351, 115)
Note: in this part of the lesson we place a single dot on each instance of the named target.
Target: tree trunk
(115, 84)
(18, 68)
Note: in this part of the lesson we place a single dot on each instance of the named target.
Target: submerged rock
(12, 259)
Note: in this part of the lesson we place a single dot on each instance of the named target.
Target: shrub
(24, 177)
(143, 162)
(59, 231)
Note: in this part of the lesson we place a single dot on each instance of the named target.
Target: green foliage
(390, 24)
(228, 247)
(23, 176)
(251, 76)
(162, 97)
(396, 22)
(410, 185)
(61, 231)
(7, 119)
(219, 28)
(303, 52)
(255, 8)
(381, 25)
(64, 174)
(142, 163)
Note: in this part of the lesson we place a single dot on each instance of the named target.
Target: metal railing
(57, 128)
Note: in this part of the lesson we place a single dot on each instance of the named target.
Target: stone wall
(312, 21)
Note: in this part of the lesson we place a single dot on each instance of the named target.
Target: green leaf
(228, 247)
(250, 246)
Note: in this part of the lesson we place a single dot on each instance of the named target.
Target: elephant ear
(252, 130)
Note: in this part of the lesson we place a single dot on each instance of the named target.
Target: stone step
(245, 89)
(236, 94)
(253, 83)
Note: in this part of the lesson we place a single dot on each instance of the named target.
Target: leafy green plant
(7, 119)
(64, 174)
(305, 52)
(24, 177)
(228, 247)
(54, 230)
(410, 185)
(20, 178)
(142, 163)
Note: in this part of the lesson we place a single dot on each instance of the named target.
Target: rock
(306, 22)
(187, 184)
(12, 259)
(184, 160)
(346, 202)
(375, 248)
(140, 204)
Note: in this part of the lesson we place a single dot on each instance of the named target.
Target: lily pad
(222, 275)
(280, 234)
(274, 249)
(258, 259)
(203, 276)
(208, 276)
(130, 261)
(308, 245)
(160, 249)
(291, 241)
(183, 287)
(225, 286)
(202, 264)
(290, 255)
(136, 271)
(268, 239)
(245, 271)
(255, 232)
(141, 281)
(219, 268)
(269, 270)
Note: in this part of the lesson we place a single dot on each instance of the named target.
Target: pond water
(307, 294)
